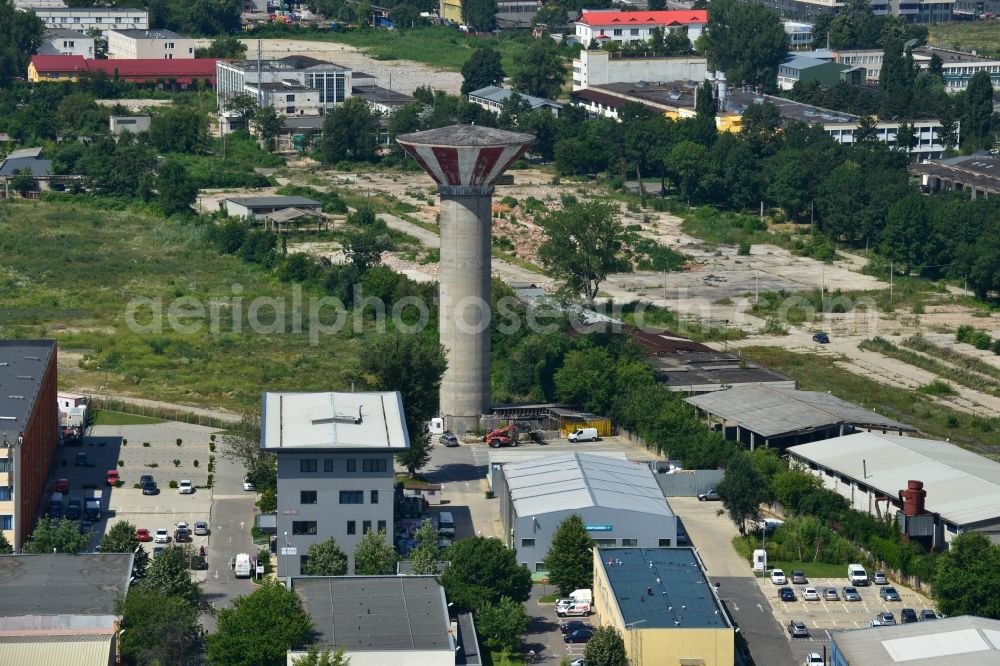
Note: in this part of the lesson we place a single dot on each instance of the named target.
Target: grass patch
(501, 658)
(952, 356)
(419, 479)
(811, 569)
(548, 598)
(725, 228)
(938, 367)
(981, 36)
(109, 258)
(819, 373)
(938, 388)
(643, 315)
(107, 417)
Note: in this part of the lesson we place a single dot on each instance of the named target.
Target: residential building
(800, 35)
(619, 501)
(60, 609)
(165, 74)
(332, 82)
(31, 5)
(779, 417)
(335, 467)
(149, 45)
(383, 100)
(59, 41)
(597, 67)
(675, 100)
(129, 124)
(255, 208)
(492, 98)
(610, 24)
(288, 97)
(957, 68)
(800, 68)
(979, 175)
(663, 604)
(518, 14)
(380, 620)
(959, 490)
(965, 640)
(101, 18)
(913, 11)
(29, 432)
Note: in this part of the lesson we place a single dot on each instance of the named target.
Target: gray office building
(619, 501)
(335, 467)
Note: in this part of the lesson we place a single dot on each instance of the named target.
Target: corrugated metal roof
(271, 202)
(498, 95)
(573, 481)
(658, 17)
(87, 650)
(771, 411)
(962, 487)
(965, 640)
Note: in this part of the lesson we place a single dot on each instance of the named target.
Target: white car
(810, 594)
(181, 525)
(185, 487)
(247, 485)
(778, 577)
(161, 536)
(814, 659)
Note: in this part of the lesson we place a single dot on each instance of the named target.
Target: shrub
(195, 463)
(179, 441)
(177, 463)
(173, 484)
(211, 438)
(121, 463)
(146, 444)
(938, 388)
(124, 442)
(211, 447)
(211, 481)
(153, 465)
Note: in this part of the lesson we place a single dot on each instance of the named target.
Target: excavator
(506, 436)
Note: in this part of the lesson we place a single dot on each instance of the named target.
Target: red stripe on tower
(485, 162)
(447, 159)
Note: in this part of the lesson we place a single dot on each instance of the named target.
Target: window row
(366, 526)
(346, 497)
(604, 543)
(309, 527)
(310, 465)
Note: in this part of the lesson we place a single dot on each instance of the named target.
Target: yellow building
(664, 606)
(451, 10)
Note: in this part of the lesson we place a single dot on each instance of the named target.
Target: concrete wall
(331, 517)
(598, 67)
(689, 483)
(134, 124)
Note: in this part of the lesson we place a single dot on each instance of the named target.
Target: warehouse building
(256, 208)
(934, 490)
(965, 640)
(661, 601)
(778, 416)
(979, 175)
(620, 503)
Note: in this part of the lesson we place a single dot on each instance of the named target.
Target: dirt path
(220, 415)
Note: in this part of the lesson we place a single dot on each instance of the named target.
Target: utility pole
(890, 283)
(756, 285)
(822, 289)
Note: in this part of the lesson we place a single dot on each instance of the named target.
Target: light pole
(284, 551)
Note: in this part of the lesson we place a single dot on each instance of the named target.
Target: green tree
(168, 574)
(539, 70)
(747, 41)
(176, 190)
(412, 365)
(364, 249)
(121, 539)
(20, 36)
(583, 379)
(100, 42)
(502, 624)
(157, 628)
(23, 181)
(742, 490)
(374, 556)
(965, 582)
(404, 120)
(316, 657)
(179, 129)
(584, 243)
(570, 560)
(260, 628)
(482, 69)
(350, 132)
(244, 105)
(5, 547)
(483, 570)
(427, 553)
(791, 486)
(267, 123)
(936, 66)
(896, 80)
(224, 46)
(688, 163)
(605, 648)
(480, 15)
(325, 559)
(906, 137)
(552, 15)
(977, 121)
(55, 535)
(705, 104)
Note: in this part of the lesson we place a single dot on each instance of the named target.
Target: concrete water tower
(465, 161)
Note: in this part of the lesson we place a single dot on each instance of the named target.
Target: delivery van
(584, 435)
(241, 565)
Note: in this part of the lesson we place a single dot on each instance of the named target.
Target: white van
(446, 524)
(584, 435)
(241, 565)
(857, 575)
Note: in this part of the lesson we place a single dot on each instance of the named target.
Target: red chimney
(913, 498)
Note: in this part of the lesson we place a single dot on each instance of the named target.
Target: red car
(112, 477)
(142, 534)
(62, 486)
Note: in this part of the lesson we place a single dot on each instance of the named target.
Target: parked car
(578, 636)
(809, 594)
(448, 439)
(247, 485)
(112, 478)
(851, 594)
(86, 527)
(928, 614)
(81, 459)
(185, 487)
(573, 625)
(889, 594)
(797, 629)
(778, 577)
(786, 594)
(142, 534)
(710, 496)
(822, 338)
(830, 594)
(578, 609)
(879, 578)
(61, 486)
(201, 528)
(907, 615)
(146, 478)
(162, 536)
(74, 509)
(799, 578)
(884, 619)
(157, 551)
(181, 534)
(814, 659)
(565, 603)
(150, 488)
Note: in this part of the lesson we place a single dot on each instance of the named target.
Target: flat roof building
(965, 640)
(492, 98)
(335, 467)
(619, 501)
(767, 415)
(330, 81)
(629, 26)
(85, 18)
(380, 620)
(661, 601)
(979, 175)
(597, 66)
(802, 68)
(256, 208)
(149, 44)
(962, 488)
(60, 41)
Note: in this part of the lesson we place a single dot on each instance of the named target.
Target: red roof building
(603, 25)
(179, 72)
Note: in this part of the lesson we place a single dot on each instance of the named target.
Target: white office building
(330, 82)
(85, 18)
(58, 41)
(594, 67)
(149, 45)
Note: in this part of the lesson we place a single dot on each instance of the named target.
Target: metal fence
(689, 482)
(165, 413)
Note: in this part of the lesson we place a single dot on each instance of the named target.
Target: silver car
(201, 528)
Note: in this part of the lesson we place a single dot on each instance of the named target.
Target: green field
(106, 417)
(70, 270)
(811, 569)
(980, 36)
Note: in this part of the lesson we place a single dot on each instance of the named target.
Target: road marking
(737, 608)
(760, 607)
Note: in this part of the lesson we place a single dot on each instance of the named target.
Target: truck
(506, 436)
(582, 596)
(241, 565)
(584, 435)
(92, 507)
